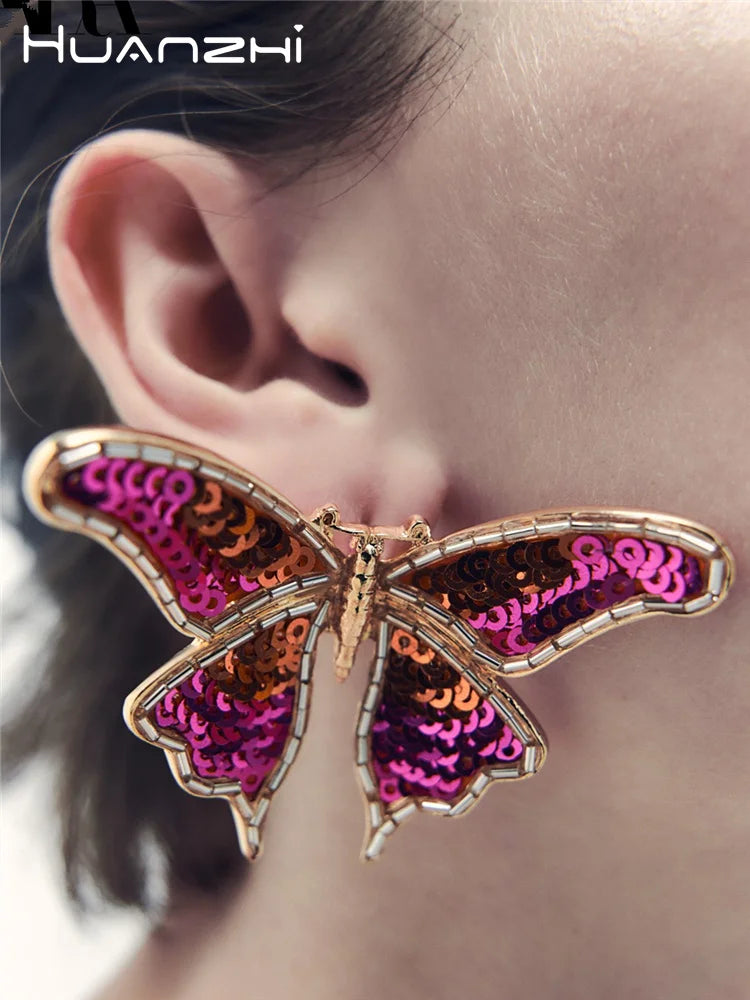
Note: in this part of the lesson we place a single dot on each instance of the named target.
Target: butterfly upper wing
(210, 544)
(229, 562)
(523, 591)
(230, 716)
(433, 732)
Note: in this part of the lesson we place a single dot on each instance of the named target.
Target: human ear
(177, 271)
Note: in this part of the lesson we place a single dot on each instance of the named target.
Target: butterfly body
(360, 576)
(357, 609)
(253, 583)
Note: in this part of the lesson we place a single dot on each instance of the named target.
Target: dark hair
(352, 95)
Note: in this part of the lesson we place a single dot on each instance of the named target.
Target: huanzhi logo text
(210, 50)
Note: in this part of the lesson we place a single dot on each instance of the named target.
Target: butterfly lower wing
(434, 731)
(231, 718)
(210, 543)
(523, 591)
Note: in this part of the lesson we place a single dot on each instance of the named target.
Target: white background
(46, 953)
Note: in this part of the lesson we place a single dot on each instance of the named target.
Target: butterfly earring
(236, 568)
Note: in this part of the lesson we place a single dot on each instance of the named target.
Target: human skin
(544, 287)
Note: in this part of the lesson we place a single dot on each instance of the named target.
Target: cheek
(588, 340)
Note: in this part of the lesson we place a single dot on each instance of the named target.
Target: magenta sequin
(518, 595)
(433, 732)
(235, 715)
(212, 544)
(227, 738)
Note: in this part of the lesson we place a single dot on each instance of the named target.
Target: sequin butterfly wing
(231, 564)
(231, 717)
(434, 730)
(460, 615)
